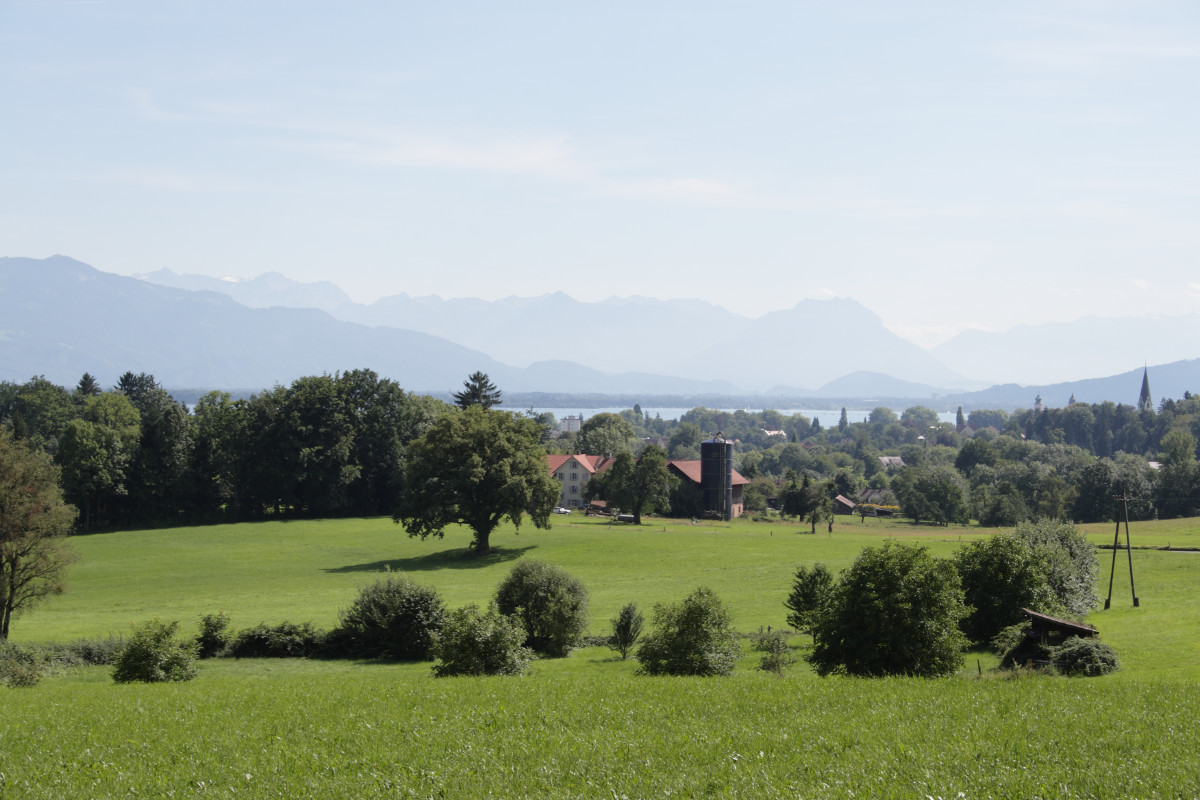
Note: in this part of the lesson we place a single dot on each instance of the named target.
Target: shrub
(393, 618)
(1016, 650)
(1001, 575)
(777, 656)
(895, 611)
(153, 654)
(1008, 639)
(1069, 561)
(285, 640)
(1080, 657)
(98, 652)
(19, 667)
(214, 635)
(693, 637)
(626, 629)
(550, 603)
(474, 642)
(810, 590)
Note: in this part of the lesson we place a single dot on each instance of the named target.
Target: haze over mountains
(60, 317)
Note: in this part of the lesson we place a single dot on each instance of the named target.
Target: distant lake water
(828, 416)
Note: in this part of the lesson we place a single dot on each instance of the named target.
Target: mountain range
(60, 317)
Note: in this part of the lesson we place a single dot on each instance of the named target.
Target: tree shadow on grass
(455, 558)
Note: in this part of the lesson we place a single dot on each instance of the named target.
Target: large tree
(605, 434)
(644, 485)
(931, 494)
(33, 521)
(476, 468)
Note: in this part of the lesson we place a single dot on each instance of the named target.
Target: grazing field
(585, 726)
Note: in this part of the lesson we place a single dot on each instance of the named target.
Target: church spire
(1144, 401)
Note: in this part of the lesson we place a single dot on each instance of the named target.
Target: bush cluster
(474, 642)
(895, 611)
(692, 637)
(550, 603)
(1087, 658)
(284, 640)
(153, 655)
(393, 618)
(19, 666)
(810, 591)
(214, 635)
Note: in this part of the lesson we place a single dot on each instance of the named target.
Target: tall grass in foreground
(582, 726)
(395, 731)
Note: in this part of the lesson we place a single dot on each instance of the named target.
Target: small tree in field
(895, 611)
(626, 629)
(693, 637)
(34, 520)
(810, 590)
(549, 602)
(474, 642)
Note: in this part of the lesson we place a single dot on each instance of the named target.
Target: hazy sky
(947, 164)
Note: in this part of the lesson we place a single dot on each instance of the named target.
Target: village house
(573, 473)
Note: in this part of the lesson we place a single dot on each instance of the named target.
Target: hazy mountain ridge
(60, 317)
(1166, 380)
(688, 339)
(1085, 347)
(266, 290)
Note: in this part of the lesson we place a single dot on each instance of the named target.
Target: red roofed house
(573, 474)
(690, 471)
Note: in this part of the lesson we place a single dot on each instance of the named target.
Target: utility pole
(1123, 511)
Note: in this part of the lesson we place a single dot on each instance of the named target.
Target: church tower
(1144, 401)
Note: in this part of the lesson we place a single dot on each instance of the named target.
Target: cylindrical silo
(716, 476)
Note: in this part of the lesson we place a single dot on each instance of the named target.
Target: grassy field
(585, 726)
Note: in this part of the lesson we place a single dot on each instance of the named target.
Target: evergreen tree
(478, 390)
(87, 387)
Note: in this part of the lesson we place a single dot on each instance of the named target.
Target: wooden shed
(1043, 633)
(1052, 632)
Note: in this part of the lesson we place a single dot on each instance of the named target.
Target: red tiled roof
(592, 464)
(690, 469)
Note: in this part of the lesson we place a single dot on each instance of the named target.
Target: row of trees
(338, 445)
(324, 445)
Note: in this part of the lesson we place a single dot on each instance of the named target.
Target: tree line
(321, 446)
(338, 445)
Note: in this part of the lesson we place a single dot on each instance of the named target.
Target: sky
(949, 165)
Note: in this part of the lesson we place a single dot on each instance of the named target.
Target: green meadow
(587, 725)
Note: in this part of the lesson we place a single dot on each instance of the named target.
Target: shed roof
(690, 469)
(1078, 628)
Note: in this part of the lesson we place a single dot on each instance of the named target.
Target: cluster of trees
(339, 445)
(324, 445)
